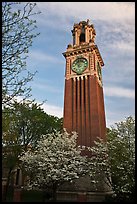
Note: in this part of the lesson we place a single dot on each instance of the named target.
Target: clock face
(79, 65)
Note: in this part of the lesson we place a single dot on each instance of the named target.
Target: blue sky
(114, 23)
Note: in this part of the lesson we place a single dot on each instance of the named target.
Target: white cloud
(53, 110)
(117, 20)
(62, 15)
(114, 117)
(122, 46)
(119, 92)
(107, 11)
(128, 47)
(39, 56)
(43, 87)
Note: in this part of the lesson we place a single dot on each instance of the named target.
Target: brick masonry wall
(84, 109)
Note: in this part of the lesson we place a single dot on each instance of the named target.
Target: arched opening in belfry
(82, 35)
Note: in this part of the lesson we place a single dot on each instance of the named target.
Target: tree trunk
(4, 196)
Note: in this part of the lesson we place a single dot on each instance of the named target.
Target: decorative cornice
(79, 76)
(74, 50)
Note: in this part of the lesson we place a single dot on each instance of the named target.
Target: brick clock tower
(83, 99)
(84, 105)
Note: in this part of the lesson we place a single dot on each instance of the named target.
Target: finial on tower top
(88, 21)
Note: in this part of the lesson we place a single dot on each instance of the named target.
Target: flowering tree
(113, 162)
(121, 145)
(22, 125)
(56, 159)
(99, 166)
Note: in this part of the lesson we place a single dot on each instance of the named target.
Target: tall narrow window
(82, 35)
(74, 41)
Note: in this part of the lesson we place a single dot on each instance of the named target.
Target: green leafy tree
(22, 126)
(18, 27)
(25, 122)
(121, 145)
(112, 163)
(115, 160)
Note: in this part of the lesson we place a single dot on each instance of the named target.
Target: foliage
(121, 145)
(99, 165)
(18, 27)
(57, 159)
(22, 126)
(113, 162)
(25, 122)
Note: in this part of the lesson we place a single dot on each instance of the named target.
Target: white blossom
(56, 159)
